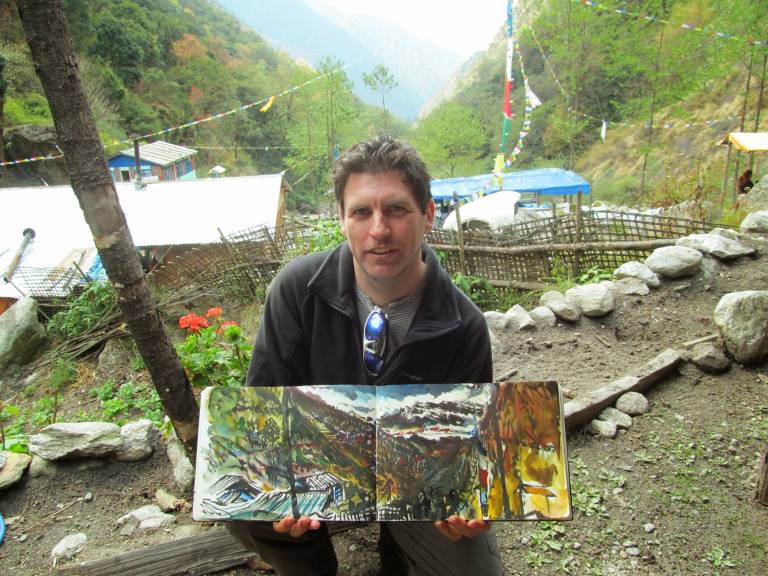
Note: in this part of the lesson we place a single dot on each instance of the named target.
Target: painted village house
(160, 161)
(166, 220)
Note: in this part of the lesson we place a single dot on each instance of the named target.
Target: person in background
(745, 182)
(378, 309)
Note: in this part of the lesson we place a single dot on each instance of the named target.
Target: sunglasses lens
(373, 363)
(374, 326)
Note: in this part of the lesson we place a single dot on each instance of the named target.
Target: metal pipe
(28, 235)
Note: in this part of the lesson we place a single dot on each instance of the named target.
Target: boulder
(76, 440)
(183, 471)
(21, 334)
(618, 417)
(518, 319)
(42, 467)
(755, 222)
(13, 469)
(147, 518)
(543, 316)
(630, 286)
(742, 319)
(594, 300)
(716, 245)
(710, 358)
(28, 140)
(68, 547)
(674, 261)
(757, 199)
(726, 233)
(603, 428)
(632, 403)
(138, 440)
(635, 269)
(561, 307)
(497, 349)
(495, 320)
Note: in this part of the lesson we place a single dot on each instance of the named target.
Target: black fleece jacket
(310, 333)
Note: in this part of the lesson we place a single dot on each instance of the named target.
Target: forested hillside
(679, 66)
(150, 65)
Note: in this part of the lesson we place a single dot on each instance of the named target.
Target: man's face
(385, 229)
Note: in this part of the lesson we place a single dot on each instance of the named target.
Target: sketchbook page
(487, 451)
(267, 453)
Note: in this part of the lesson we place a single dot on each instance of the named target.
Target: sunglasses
(374, 341)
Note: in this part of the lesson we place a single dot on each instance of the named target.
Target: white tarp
(162, 214)
(492, 211)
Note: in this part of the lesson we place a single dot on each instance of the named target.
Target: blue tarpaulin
(550, 181)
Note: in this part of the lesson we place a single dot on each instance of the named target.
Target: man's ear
(430, 213)
(342, 221)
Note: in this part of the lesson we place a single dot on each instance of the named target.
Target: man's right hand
(294, 527)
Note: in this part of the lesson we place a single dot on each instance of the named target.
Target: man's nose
(379, 226)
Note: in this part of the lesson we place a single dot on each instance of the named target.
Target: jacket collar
(334, 282)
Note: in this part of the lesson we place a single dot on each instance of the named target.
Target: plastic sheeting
(493, 211)
(548, 181)
(749, 141)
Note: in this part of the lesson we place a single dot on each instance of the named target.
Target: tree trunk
(53, 55)
(762, 480)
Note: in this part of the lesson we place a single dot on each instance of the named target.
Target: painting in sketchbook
(412, 452)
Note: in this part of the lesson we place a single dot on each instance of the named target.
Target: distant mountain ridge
(312, 31)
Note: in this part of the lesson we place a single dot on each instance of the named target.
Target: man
(379, 310)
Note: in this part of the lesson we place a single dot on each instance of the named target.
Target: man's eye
(361, 212)
(397, 210)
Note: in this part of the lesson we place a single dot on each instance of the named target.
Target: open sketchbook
(401, 452)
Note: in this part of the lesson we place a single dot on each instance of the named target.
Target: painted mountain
(395, 453)
(312, 31)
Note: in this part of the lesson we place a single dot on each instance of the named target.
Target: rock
(13, 470)
(148, 518)
(742, 319)
(88, 497)
(138, 440)
(726, 233)
(594, 300)
(716, 245)
(603, 428)
(495, 320)
(27, 141)
(710, 358)
(561, 307)
(611, 285)
(166, 501)
(21, 334)
(649, 527)
(68, 547)
(183, 471)
(518, 319)
(755, 222)
(630, 286)
(632, 551)
(635, 269)
(632, 403)
(618, 417)
(543, 317)
(42, 467)
(674, 261)
(78, 439)
(117, 353)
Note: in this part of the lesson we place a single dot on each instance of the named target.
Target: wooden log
(762, 480)
(212, 551)
(587, 407)
(546, 248)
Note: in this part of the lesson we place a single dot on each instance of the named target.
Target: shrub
(215, 353)
(479, 290)
(85, 312)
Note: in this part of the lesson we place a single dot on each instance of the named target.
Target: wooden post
(577, 239)
(762, 480)
(460, 239)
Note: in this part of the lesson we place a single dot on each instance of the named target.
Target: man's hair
(383, 154)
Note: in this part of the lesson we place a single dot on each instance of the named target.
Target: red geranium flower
(193, 322)
(225, 324)
(214, 312)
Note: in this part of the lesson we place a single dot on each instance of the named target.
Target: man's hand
(456, 528)
(295, 528)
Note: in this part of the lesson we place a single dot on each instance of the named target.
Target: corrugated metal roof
(162, 153)
(163, 214)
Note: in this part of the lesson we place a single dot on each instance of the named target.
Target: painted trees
(52, 51)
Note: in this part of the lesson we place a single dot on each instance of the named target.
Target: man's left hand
(456, 528)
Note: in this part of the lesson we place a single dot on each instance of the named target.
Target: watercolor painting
(414, 452)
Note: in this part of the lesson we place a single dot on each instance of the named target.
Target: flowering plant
(215, 352)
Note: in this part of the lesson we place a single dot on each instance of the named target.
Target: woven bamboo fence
(521, 256)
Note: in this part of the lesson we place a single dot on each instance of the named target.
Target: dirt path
(687, 468)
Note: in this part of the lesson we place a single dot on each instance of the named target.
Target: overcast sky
(462, 27)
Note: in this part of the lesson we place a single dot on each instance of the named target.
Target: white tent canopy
(492, 211)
